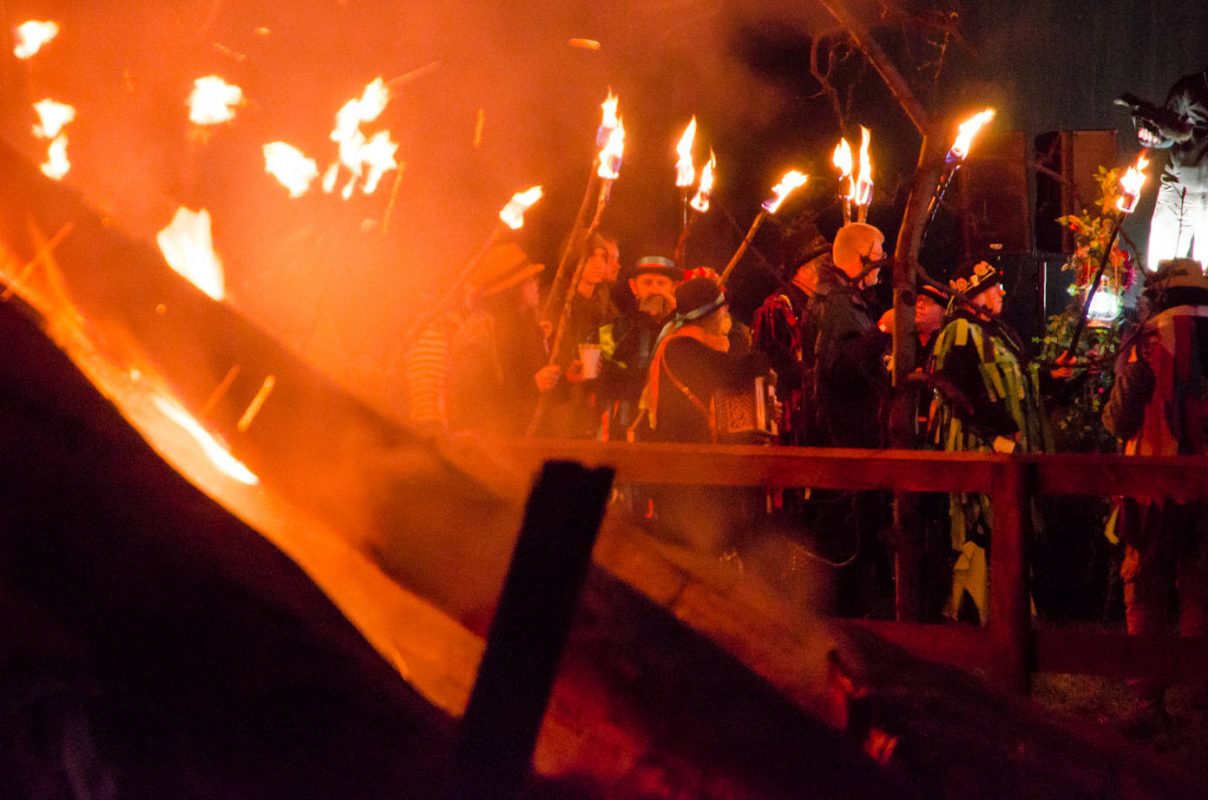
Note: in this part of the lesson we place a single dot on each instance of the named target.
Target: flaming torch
(358, 153)
(32, 35)
(685, 170)
(609, 122)
(955, 157)
(1130, 188)
(511, 217)
(792, 179)
(704, 190)
(847, 189)
(862, 192)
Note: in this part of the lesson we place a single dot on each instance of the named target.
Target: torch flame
(189, 249)
(512, 214)
(213, 101)
(612, 153)
(31, 35)
(357, 153)
(842, 158)
(609, 119)
(862, 191)
(213, 449)
(969, 129)
(705, 190)
(685, 170)
(52, 117)
(1130, 185)
(791, 180)
(290, 166)
(56, 164)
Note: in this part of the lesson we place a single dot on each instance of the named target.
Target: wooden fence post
(1010, 618)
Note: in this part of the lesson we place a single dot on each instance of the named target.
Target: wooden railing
(1007, 646)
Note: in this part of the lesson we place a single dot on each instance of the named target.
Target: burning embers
(53, 116)
(213, 101)
(290, 166)
(189, 249)
(32, 35)
(366, 158)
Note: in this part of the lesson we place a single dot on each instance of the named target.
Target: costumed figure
(1179, 226)
(1159, 407)
(498, 363)
(988, 401)
(783, 327)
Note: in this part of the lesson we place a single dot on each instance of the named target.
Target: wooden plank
(1105, 475)
(965, 646)
(1118, 655)
(770, 466)
(524, 647)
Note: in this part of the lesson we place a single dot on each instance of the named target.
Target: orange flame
(368, 158)
(608, 120)
(792, 179)
(862, 192)
(32, 35)
(212, 447)
(213, 101)
(685, 170)
(842, 158)
(1130, 185)
(290, 166)
(612, 153)
(52, 117)
(969, 129)
(705, 190)
(189, 249)
(512, 214)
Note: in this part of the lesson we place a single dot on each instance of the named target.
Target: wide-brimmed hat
(504, 266)
(658, 265)
(973, 278)
(1176, 272)
(814, 248)
(698, 298)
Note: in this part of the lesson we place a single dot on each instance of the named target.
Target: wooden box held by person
(747, 415)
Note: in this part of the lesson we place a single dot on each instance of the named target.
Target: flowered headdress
(974, 279)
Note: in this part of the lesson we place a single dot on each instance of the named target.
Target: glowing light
(968, 130)
(585, 44)
(367, 159)
(189, 249)
(213, 449)
(862, 193)
(56, 165)
(290, 166)
(842, 159)
(512, 214)
(249, 415)
(1130, 185)
(791, 180)
(608, 119)
(213, 101)
(704, 191)
(1105, 305)
(685, 170)
(612, 153)
(32, 35)
(53, 116)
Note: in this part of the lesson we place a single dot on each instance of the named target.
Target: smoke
(487, 101)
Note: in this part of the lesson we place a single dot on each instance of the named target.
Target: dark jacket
(850, 381)
(683, 416)
(493, 358)
(628, 345)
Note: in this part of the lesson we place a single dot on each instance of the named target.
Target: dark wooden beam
(524, 647)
